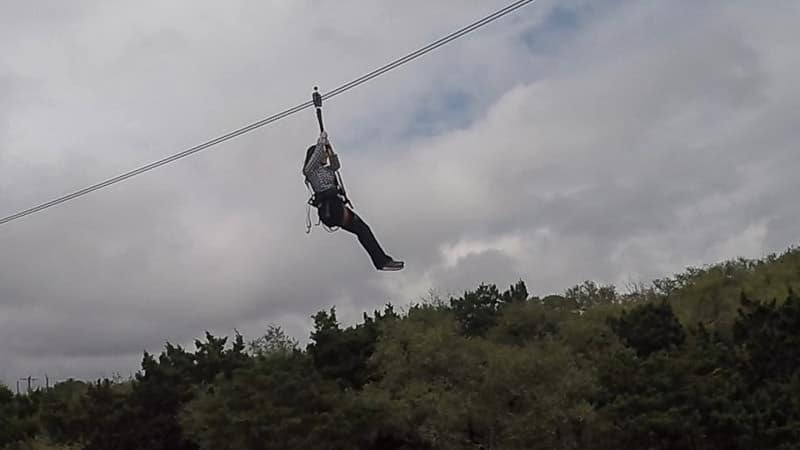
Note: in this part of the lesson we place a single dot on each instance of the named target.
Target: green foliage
(588, 334)
(524, 322)
(62, 411)
(38, 444)
(274, 340)
(766, 345)
(146, 415)
(769, 336)
(657, 401)
(688, 362)
(649, 328)
(109, 420)
(342, 354)
(589, 295)
(707, 391)
(279, 402)
(16, 417)
(478, 393)
(710, 295)
(477, 311)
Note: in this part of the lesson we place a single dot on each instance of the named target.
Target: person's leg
(353, 223)
(333, 213)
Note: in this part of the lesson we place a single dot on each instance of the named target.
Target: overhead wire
(278, 116)
(428, 48)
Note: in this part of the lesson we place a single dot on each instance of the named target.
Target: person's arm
(334, 158)
(315, 162)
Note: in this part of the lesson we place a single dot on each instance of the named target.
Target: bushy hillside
(707, 359)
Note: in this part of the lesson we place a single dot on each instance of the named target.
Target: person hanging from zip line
(320, 171)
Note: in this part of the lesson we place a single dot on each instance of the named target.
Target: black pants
(331, 213)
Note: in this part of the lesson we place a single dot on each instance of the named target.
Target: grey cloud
(490, 266)
(649, 140)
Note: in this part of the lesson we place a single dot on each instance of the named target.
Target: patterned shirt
(320, 176)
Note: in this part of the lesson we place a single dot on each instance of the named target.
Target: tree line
(706, 359)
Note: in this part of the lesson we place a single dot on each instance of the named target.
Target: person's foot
(392, 265)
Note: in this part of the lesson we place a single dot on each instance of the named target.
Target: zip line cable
(430, 47)
(275, 117)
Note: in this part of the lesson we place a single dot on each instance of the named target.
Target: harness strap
(317, 200)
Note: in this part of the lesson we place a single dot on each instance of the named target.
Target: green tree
(649, 328)
(108, 420)
(659, 402)
(524, 322)
(17, 420)
(274, 340)
(280, 402)
(455, 391)
(588, 295)
(146, 417)
(477, 310)
(342, 354)
(61, 411)
(767, 355)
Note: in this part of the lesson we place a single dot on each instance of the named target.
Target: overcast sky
(610, 140)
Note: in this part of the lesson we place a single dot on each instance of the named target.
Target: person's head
(310, 152)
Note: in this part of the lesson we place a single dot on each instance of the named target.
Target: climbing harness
(317, 200)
